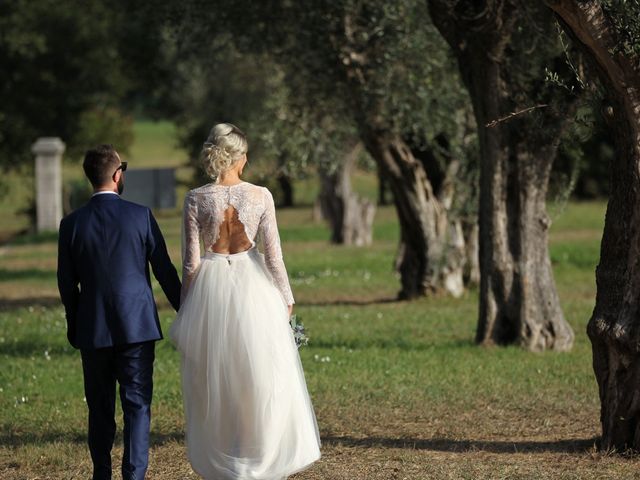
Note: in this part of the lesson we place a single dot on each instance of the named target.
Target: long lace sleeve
(190, 242)
(272, 250)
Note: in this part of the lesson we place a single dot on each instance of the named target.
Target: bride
(248, 412)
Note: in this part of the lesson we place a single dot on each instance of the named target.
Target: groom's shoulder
(71, 217)
(134, 212)
(134, 207)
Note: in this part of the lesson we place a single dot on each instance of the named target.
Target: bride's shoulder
(243, 189)
(256, 189)
(209, 187)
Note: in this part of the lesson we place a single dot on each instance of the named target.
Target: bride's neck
(228, 178)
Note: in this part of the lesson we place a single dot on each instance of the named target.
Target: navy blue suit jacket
(104, 251)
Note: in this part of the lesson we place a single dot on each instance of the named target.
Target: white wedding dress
(248, 412)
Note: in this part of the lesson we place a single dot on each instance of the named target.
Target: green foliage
(76, 193)
(625, 16)
(71, 69)
(404, 75)
(59, 62)
(284, 79)
(535, 50)
(100, 125)
(584, 158)
(215, 82)
(382, 68)
(588, 149)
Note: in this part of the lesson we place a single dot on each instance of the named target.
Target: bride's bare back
(227, 219)
(232, 237)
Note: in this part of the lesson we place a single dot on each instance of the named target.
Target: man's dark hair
(100, 163)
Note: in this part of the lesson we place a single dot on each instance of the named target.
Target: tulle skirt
(248, 412)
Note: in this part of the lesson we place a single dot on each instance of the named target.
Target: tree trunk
(518, 299)
(350, 217)
(431, 251)
(429, 255)
(286, 187)
(382, 188)
(471, 273)
(443, 171)
(331, 204)
(614, 328)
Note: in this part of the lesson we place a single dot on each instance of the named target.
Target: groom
(104, 252)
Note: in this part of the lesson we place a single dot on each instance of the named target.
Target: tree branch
(506, 118)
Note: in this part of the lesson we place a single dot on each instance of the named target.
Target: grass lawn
(400, 390)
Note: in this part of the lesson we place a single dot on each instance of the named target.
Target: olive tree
(503, 48)
(384, 68)
(608, 34)
(358, 72)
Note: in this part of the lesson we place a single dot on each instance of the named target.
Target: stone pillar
(48, 151)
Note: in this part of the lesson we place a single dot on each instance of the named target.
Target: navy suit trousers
(131, 366)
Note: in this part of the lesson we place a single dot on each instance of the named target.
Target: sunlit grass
(377, 369)
(155, 145)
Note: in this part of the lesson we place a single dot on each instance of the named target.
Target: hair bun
(221, 129)
(218, 156)
(225, 145)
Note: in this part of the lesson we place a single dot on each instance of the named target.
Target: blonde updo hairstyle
(225, 145)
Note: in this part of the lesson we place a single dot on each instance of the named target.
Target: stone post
(48, 151)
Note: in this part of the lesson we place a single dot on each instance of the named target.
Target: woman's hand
(290, 309)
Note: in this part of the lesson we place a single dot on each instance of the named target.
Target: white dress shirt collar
(103, 193)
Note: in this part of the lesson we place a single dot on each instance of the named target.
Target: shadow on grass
(33, 347)
(351, 302)
(463, 446)
(48, 302)
(27, 274)
(578, 446)
(22, 439)
(29, 238)
(25, 302)
(391, 343)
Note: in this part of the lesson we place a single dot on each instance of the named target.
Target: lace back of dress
(228, 220)
(232, 236)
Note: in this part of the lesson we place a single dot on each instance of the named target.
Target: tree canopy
(75, 70)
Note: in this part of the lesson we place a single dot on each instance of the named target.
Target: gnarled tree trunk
(614, 328)
(350, 217)
(431, 251)
(518, 299)
(443, 171)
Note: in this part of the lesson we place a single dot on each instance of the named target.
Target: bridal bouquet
(298, 332)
